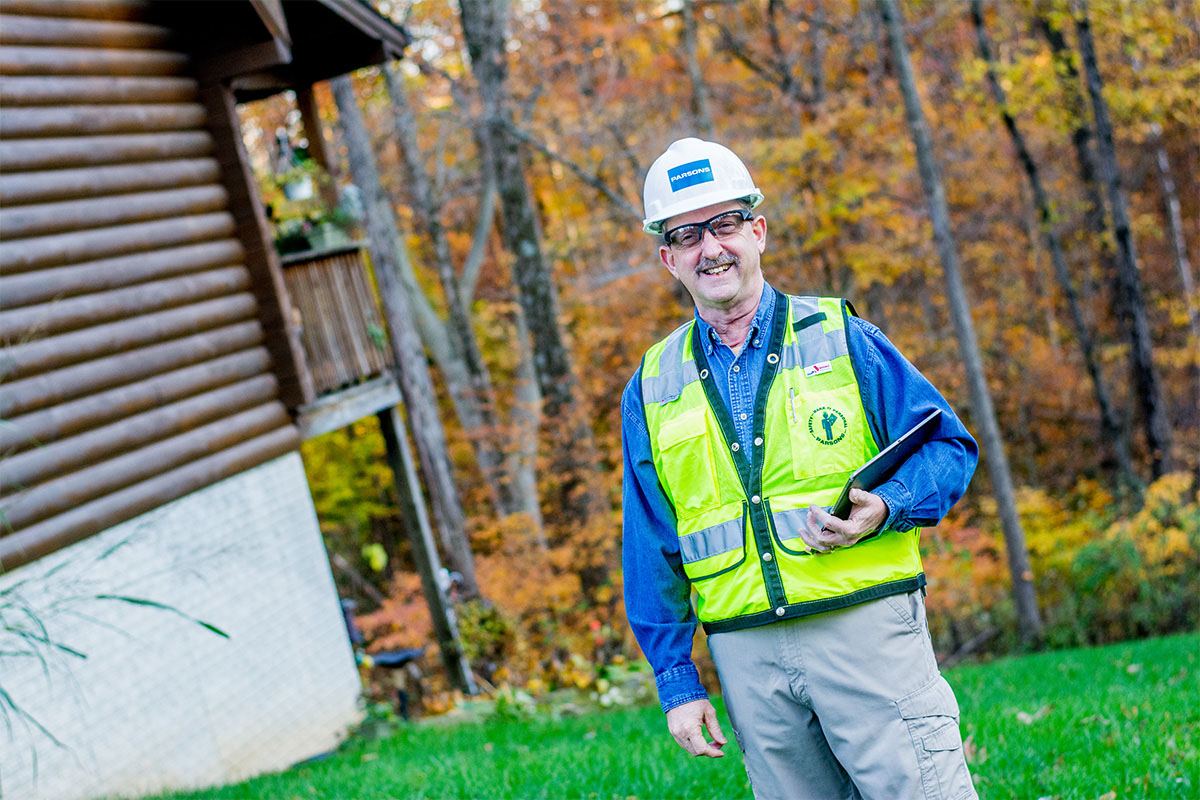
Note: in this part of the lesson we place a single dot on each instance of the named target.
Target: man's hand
(824, 532)
(687, 724)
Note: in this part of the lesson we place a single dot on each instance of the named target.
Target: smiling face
(719, 274)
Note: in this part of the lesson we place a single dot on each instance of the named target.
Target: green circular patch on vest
(827, 425)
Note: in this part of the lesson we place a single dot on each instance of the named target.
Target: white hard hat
(692, 174)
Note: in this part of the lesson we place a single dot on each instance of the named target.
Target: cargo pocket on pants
(931, 715)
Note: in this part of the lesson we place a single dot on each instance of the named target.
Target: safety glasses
(722, 226)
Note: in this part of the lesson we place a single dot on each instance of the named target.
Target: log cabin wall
(134, 367)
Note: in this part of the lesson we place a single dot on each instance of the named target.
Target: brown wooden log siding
(341, 322)
(133, 367)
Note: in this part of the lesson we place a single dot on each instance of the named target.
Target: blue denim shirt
(895, 396)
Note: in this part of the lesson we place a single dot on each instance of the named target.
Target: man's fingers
(687, 723)
(869, 513)
(818, 517)
(699, 746)
(714, 727)
(811, 533)
(823, 531)
(832, 524)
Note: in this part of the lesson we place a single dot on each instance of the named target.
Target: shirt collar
(758, 327)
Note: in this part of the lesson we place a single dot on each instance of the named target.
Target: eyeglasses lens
(723, 226)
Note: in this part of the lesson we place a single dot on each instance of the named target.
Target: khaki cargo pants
(845, 704)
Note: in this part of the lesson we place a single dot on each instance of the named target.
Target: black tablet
(881, 467)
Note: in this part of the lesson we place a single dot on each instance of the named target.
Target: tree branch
(473, 265)
(635, 163)
(776, 73)
(590, 179)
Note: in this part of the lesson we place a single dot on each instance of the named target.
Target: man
(739, 429)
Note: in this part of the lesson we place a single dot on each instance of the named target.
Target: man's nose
(710, 246)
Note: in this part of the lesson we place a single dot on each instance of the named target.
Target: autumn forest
(1008, 188)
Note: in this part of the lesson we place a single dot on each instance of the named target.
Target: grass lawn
(1113, 722)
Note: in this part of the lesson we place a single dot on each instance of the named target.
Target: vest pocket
(821, 429)
(687, 462)
(785, 527)
(714, 550)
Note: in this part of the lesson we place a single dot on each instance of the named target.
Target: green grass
(1069, 724)
(1123, 718)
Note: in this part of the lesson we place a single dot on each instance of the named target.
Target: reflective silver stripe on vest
(812, 345)
(672, 375)
(804, 307)
(814, 350)
(788, 524)
(712, 541)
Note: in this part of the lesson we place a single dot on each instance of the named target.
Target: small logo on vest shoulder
(819, 368)
(827, 425)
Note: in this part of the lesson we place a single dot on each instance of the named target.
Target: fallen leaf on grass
(973, 752)
(1026, 718)
(488, 747)
(1134, 669)
(370, 757)
(1108, 796)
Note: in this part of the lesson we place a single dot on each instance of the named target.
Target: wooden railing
(342, 329)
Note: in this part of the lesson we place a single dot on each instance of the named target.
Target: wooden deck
(342, 329)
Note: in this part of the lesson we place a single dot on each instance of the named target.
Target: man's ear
(668, 259)
(758, 226)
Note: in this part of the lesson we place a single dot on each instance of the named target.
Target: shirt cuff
(898, 501)
(679, 685)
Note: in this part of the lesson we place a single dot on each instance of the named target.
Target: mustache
(712, 263)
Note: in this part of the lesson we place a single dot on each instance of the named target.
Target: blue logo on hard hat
(690, 174)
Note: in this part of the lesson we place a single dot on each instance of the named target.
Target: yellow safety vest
(740, 506)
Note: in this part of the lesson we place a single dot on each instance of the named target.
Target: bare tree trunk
(483, 23)
(524, 418)
(1179, 249)
(1175, 227)
(877, 304)
(1111, 431)
(1081, 143)
(1145, 374)
(575, 458)
(412, 373)
(816, 61)
(1183, 265)
(1045, 295)
(478, 402)
(981, 401)
(695, 75)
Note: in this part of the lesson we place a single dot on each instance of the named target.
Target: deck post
(429, 566)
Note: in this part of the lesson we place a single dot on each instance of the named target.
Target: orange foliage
(603, 85)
